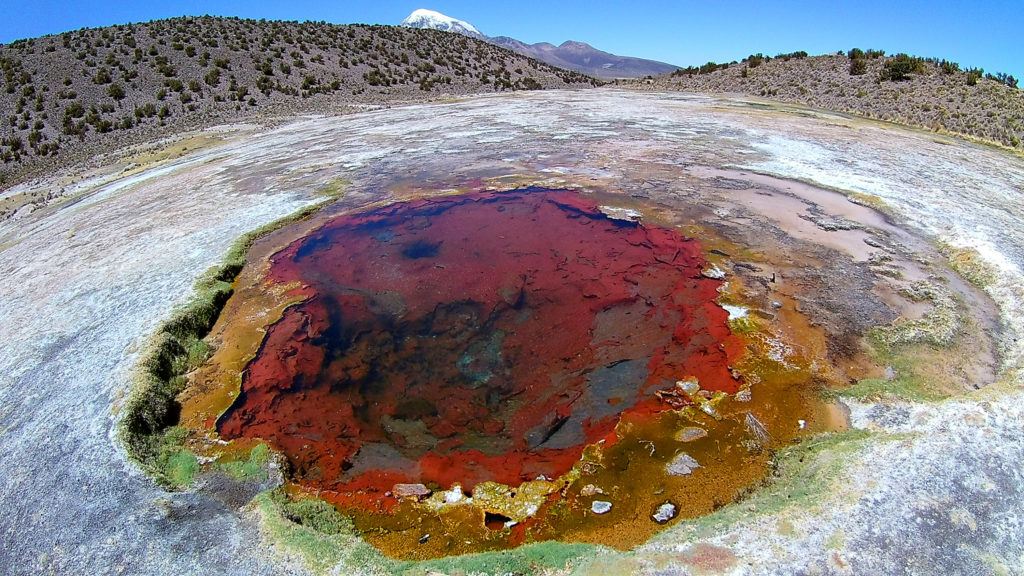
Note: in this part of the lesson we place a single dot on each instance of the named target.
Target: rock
(404, 491)
(664, 513)
(682, 465)
(690, 433)
(715, 273)
(600, 507)
(454, 495)
(590, 490)
(625, 214)
(689, 385)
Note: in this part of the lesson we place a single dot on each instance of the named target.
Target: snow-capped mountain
(570, 55)
(424, 18)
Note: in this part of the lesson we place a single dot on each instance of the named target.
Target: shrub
(212, 77)
(973, 75)
(115, 91)
(858, 67)
(102, 76)
(711, 67)
(1003, 78)
(74, 110)
(755, 60)
(855, 54)
(792, 55)
(900, 67)
(147, 110)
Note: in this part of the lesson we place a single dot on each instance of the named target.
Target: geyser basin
(470, 372)
(484, 337)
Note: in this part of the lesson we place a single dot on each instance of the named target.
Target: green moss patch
(314, 531)
(802, 473)
(967, 262)
(253, 468)
(178, 347)
(325, 539)
(939, 327)
(540, 558)
(906, 386)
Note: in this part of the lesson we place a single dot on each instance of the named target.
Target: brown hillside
(934, 95)
(67, 96)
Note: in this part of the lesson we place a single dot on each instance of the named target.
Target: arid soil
(932, 98)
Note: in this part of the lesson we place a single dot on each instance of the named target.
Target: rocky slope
(927, 93)
(67, 96)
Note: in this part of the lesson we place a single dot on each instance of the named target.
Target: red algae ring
(471, 372)
(484, 337)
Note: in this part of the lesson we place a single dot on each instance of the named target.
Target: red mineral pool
(486, 336)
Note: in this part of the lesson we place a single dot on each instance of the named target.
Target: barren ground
(925, 483)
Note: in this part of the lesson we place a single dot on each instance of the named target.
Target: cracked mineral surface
(831, 233)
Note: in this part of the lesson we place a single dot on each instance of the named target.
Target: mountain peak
(423, 18)
(571, 55)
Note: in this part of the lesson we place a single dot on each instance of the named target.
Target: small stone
(682, 465)
(665, 512)
(590, 490)
(600, 507)
(403, 491)
(743, 395)
(890, 373)
(689, 385)
(424, 538)
(715, 273)
(710, 410)
(454, 495)
(776, 304)
(690, 433)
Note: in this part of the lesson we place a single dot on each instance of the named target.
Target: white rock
(454, 495)
(600, 507)
(690, 433)
(682, 465)
(715, 273)
(665, 512)
(735, 312)
(689, 385)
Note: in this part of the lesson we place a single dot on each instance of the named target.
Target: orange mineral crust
(489, 336)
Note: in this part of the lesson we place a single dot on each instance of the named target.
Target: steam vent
(473, 372)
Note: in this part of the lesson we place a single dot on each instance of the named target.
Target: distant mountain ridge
(571, 55)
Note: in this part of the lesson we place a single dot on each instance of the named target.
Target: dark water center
(486, 336)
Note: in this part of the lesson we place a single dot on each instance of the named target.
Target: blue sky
(982, 33)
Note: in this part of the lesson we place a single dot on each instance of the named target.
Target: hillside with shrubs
(64, 97)
(929, 93)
